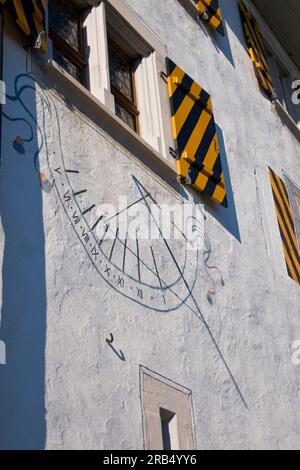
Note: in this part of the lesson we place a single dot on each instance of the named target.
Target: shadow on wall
(220, 43)
(23, 316)
(226, 216)
(234, 21)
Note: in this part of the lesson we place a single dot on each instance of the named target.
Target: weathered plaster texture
(63, 386)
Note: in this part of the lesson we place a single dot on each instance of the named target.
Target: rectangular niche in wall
(167, 413)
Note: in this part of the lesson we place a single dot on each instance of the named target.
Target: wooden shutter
(285, 218)
(194, 130)
(209, 11)
(30, 17)
(257, 51)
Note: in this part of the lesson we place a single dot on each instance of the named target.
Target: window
(122, 83)
(274, 70)
(283, 80)
(126, 50)
(167, 413)
(257, 51)
(123, 71)
(108, 49)
(66, 32)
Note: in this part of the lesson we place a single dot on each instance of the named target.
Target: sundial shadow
(196, 309)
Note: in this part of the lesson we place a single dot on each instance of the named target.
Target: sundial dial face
(157, 272)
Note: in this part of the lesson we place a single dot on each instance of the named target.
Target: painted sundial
(155, 271)
(85, 172)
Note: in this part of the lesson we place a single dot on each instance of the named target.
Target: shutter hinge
(163, 76)
(173, 153)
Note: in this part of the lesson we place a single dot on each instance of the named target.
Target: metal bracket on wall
(173, 153)
(111, 339)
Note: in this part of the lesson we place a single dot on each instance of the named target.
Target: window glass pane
(65, 22)
(120, 73)
(67, 65)
(128, 118)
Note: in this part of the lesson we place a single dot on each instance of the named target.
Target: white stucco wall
(63, 387)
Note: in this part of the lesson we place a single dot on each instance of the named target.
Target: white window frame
(151, 96)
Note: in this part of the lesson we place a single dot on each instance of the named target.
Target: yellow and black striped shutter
(209, 11)
(194, 130)
(30, 17)
(257, 50)
(286, 224)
